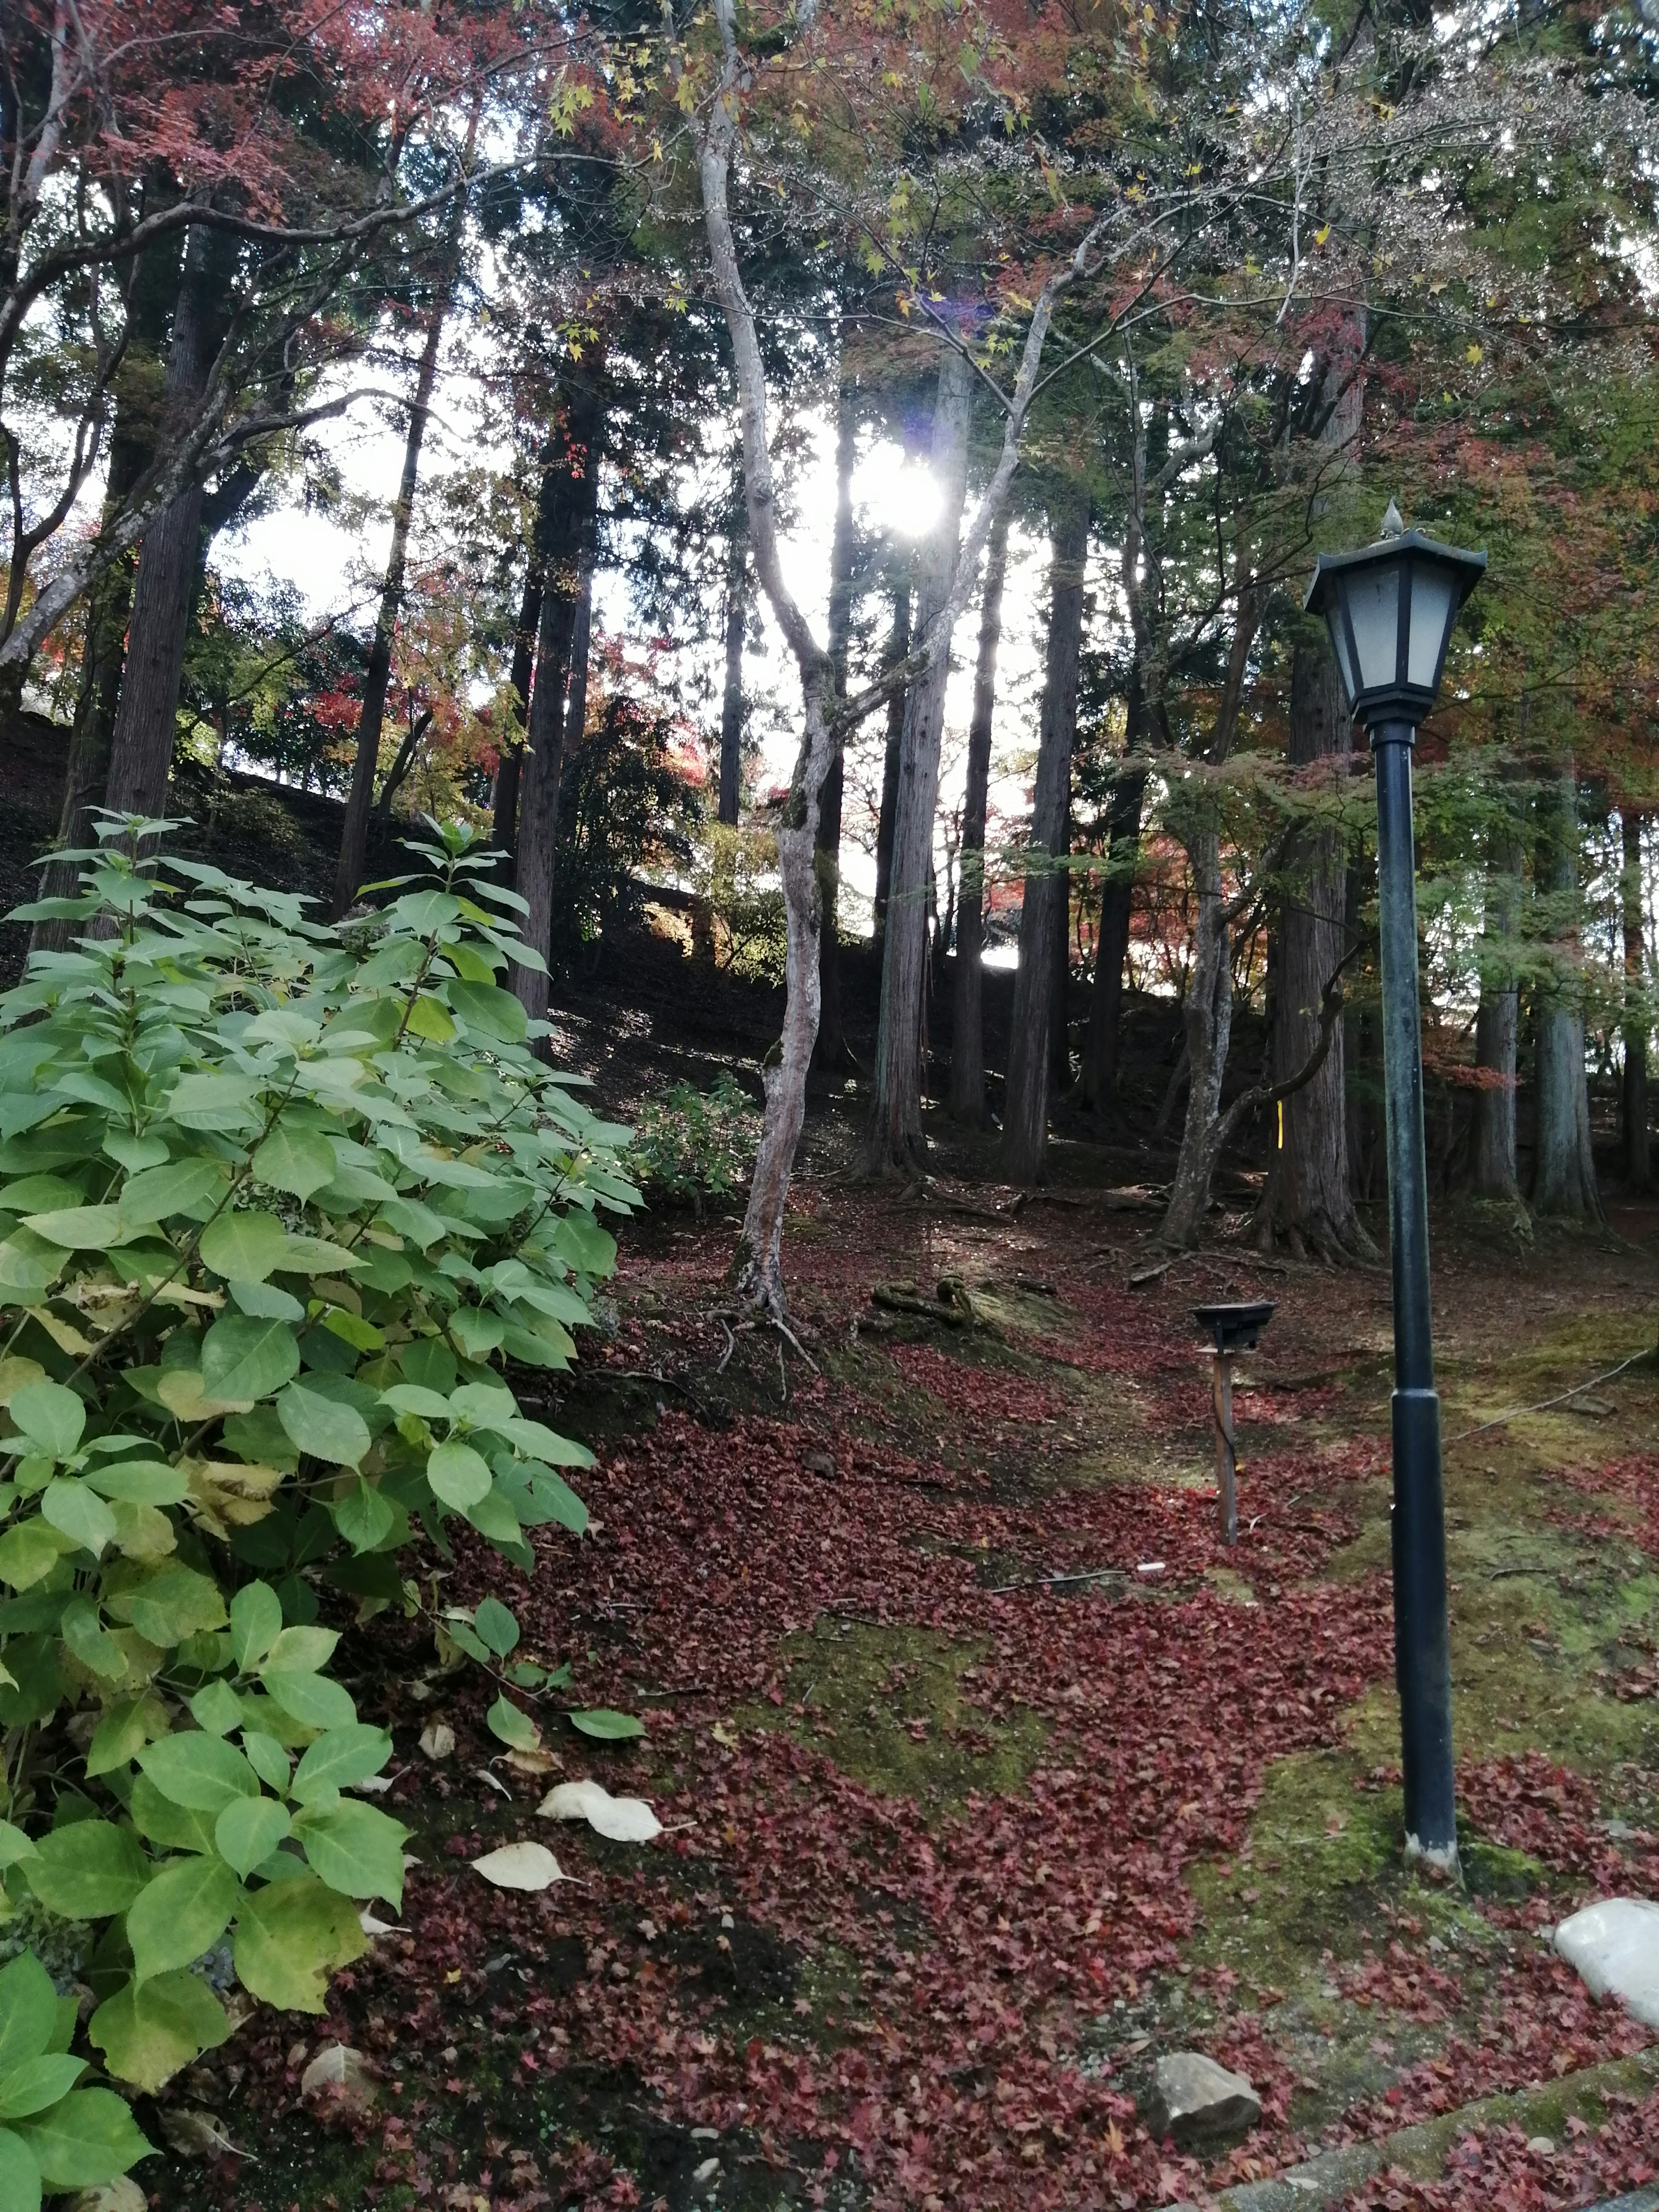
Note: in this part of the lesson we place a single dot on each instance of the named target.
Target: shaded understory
(956, 1850)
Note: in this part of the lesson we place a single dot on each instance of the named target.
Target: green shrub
(692, 1145)
(274, 1203)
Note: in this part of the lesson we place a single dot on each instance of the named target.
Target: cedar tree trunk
(1493, 1172)
(1634, 1089)
(1563, 1175)
(967, 1093)
(569, 549)
(1098, 1081)
(1310, 1197)
(1045, 905)
(894, 1143)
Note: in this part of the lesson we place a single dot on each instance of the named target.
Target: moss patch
(892, 1708)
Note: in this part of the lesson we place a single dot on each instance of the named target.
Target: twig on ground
(731, 1345)
(1544, 1404)
(1056, 1581)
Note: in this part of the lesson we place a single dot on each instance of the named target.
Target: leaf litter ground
(956, 1847)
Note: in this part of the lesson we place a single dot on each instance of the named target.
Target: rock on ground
(1195, 2100)
(1615, 1948)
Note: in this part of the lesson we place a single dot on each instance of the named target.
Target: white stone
(1615, 1948)
(1195, 2100)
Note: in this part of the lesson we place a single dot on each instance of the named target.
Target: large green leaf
(458, 1476)
(248, 1832)
(19, 2175)
(313, 1699)
(181, 1187)
(244, 1248)
(29, 2010)
(79, 1228)
(139, 1482)
(607, 1727)
(579, 1238)
(179, 1915)
(77, 1511)
(213, 1101)
(338, 1759)
(513, 1725)
(88, 1870)
(172, 1604)
(299, 1161)
(256, 1622)
(30, 1550)
(52, 1418)
(290, 1936)
(246, 1359)
(486, 1006)
(363, 1517)
(322, 1428)
(150, 2031)
(38, 2083)
(356, 1849)
(91, 2136)
(202, 1773)
(496, 1625)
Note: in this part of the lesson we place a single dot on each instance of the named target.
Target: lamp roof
(1468, 566)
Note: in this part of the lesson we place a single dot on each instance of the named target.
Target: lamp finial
(1394, 523)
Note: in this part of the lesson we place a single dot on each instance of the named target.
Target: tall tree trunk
(1563, 1175)
(967, 1094)
(109, 603)
(1309, 1196)
(737, 625)
(898, 645)
(377, 677)
(141, 746)
(509, 766)
(581, 636)
(1208, 1020)
(1633, 1095)
(1060, 938)
(894, 1143)
(1493, 1172)
(1045, 905)
(569, 551)
(1097, 1083)
(830, 1049)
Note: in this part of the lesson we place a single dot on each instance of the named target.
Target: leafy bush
(274, 1201)
(737, 870)
(691, 1144)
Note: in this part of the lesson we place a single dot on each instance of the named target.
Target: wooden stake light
(1236, 1328)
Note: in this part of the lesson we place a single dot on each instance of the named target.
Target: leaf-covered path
(989, 1774)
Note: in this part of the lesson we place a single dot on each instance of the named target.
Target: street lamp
(1390, 608)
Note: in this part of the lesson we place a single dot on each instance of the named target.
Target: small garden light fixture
(1236, 1328)
(1390, 609)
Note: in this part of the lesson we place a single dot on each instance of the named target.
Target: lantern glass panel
(1432, 613)
(1374, 610)
(1339, 631)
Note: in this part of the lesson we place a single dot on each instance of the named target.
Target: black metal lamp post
(1390, 608)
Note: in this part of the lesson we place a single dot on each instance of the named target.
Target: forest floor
(955, 1849)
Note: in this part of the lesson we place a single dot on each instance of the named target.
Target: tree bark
(141, 746)
(1310, 1197)
(109, 603)
(1633, 1089)
(1046, 902)
(830, 1048)
(1098, 1081)
(377, 677)
(509, 765)
(897, 647)
(736, 623)
(1207, 1021)
(1563, 1175)
(894, 1143)
(570, 550)
(967, 1093)
(1493, 1172)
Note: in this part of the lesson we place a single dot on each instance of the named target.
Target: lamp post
(1390, 608)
